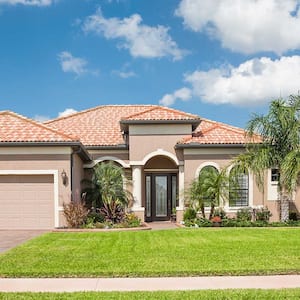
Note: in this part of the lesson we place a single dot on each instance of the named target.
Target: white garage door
(26, 202)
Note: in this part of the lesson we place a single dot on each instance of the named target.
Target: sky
(222, 60)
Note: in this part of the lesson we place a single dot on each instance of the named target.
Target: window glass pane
(239, 191)
(161, 196)
(274, 175)
(148, 196)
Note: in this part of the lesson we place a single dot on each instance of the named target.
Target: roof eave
(194, 122)
(108, 147)
(73, 144)
(197, 145)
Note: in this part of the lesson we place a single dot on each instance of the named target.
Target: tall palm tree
(279, 130)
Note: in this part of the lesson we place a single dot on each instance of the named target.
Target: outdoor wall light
(64, 177)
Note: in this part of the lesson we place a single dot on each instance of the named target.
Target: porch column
(181, 186)
(137, 191)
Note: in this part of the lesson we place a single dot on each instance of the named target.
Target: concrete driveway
(12, 238)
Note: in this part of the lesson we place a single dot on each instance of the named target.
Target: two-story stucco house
(162, 149)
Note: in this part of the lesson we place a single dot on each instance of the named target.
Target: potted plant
(216, 221)
(173, 214)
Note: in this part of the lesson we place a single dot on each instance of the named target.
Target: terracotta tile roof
(16, 128)
(99, 126)
(159, 113)
(211, 132)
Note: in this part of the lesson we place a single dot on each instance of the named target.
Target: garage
(27, 201)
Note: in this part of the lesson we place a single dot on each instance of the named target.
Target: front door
(161, 191)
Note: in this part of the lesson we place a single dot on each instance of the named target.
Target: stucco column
(137, 191)
(181, 186)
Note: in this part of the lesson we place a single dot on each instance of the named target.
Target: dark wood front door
(161, 190)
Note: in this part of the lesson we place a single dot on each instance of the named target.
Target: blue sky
(222, 60)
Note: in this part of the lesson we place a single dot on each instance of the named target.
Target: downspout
(72, 171)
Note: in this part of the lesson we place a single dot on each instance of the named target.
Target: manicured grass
(180, 252)
(180, 295)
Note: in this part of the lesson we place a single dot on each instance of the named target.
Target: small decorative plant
(216, 219)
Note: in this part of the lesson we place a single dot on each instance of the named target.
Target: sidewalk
(147, 284)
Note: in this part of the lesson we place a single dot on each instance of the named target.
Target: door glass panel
(148, 196)
(161, 196)
(174, 191)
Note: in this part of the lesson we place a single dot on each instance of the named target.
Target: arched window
(208, 177)
(238, 188)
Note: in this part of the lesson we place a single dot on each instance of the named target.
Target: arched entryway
(161, 188)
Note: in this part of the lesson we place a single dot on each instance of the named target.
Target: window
(274, 175)
(239, 189)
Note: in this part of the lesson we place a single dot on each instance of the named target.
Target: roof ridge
(39, 124)
(168, 109)
(224, 125)
(140, 113)
(94, 109)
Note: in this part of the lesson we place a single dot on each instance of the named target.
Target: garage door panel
(26, 202)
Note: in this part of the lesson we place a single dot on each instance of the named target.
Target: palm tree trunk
(212, 210)
(284, 205)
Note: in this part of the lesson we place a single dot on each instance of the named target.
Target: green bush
(263, 214)
(201, 222)
(220, 212)
(293, 216)
(244, 214)
(96, 217)
(189, 214)
(131, 220)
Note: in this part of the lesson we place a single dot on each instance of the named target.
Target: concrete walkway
(148, 284)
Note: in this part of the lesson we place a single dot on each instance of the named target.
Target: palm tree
(279, 130)
(106, 185)
(209, 189)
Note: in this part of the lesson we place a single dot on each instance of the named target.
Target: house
(161, 149)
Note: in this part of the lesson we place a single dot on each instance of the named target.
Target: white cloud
(246, 26)
(66, 112)
(72, 64)
(124, 74)
(141, 40)
(183, 94)
(253, 82)
(28, 2)
(41, 118)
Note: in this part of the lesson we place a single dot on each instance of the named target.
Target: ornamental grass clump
(75, 213)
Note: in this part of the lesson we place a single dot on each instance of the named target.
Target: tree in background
(278, 147)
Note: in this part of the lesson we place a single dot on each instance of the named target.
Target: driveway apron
(12, 238)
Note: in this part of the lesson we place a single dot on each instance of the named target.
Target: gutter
(196, 145)
(193, 122)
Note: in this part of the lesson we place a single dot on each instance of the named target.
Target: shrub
(96, 216)
(220, 212)
(293, 216)
(244, 214)
(131, 220)
(75, 213)
(263, 214)
(202, 222)
(189, 214)
(113, 211)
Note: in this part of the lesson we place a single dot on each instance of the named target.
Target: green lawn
(180, 252)
(203, 295)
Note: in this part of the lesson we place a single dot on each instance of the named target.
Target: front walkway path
(148, 284)
(162, 225)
